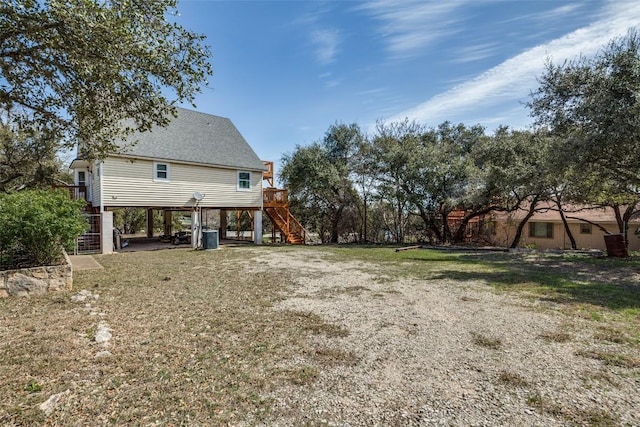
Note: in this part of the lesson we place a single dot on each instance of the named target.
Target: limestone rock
(103, 335)
(49, 405)
(21, 285)
(84, 295)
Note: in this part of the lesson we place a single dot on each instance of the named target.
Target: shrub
(35, 225)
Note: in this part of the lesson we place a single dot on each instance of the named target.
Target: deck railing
(77, 192)
(274, 197)
(268, 173)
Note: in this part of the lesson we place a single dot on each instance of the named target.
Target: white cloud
(332, 83)
(475, 53)
(326, 43)
(545, 17)
(410, 26)
(513, 80)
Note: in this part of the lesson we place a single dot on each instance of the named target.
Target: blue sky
(285, 71)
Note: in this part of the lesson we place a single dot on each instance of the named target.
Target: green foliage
(318, 179)
(584, 151)
(27, 160)
(429, 173)
(77, 69)
(32, 387)
(134, 220)
(129, 220)
(35, 225)
(592, 105)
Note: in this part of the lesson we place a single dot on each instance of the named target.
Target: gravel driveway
(444, 352)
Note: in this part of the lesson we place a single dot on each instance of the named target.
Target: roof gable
(196, 138)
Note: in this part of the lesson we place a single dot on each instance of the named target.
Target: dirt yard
(449, 352)
(329, 336)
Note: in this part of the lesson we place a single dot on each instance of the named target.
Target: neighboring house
(198, 161)
(545, 229)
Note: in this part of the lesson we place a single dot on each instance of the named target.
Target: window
(82, 178)
(244, 181)
(541, 229)
(489, 227)
(585, 228)
(160, 171)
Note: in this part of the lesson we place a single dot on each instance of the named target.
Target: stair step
(281, 217)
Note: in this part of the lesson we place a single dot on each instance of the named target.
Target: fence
(90, 241)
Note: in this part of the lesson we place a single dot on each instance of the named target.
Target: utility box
(615, 245)
(210, 239)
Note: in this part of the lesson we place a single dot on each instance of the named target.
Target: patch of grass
(337, 290)
(512, 379)
(303, 375)
(90, 332)
(32, 387)
(555, 336)
(356, 290)
(116, 382)
(544, 404)
(575, 416)
(612, 359)
(611, 334)
(485, 341)
(601, 377)
(311, 322)
(331, 356)
(593, 417)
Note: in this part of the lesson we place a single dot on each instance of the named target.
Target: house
(545, 229)
(198, 162)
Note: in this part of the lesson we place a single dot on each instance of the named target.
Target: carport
(180, 225)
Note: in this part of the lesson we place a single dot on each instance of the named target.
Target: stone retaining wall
(36, 280)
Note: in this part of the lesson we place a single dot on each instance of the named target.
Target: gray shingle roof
(195, 137)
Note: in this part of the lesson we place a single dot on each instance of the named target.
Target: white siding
(130, 183)
(95, 185)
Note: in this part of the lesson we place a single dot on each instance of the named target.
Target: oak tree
(78, 70)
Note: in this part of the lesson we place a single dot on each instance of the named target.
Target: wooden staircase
(276, 204)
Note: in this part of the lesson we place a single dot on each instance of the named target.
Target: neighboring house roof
(547, 212)
(196, 138)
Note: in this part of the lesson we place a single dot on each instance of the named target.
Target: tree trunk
(334, 231)
(567, 230)
(399, 229)
(335, 224)
(518, 236)
(365, 219)
(446, 232)
(616, 211)
(458, 235)
(626, 217)
(622, 224)
(574, 245)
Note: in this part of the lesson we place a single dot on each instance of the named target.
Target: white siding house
(197, 154)
(133, 182)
